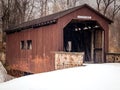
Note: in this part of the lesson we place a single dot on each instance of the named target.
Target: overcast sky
(91, 2)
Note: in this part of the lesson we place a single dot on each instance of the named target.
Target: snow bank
(88, 77)
(3, 73)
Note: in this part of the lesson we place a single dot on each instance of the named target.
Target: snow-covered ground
(3, 74)
(87, 77)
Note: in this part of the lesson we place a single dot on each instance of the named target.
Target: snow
(3, 73)
(87, 77)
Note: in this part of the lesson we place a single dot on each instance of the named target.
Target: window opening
(22, 45)
(29, 44)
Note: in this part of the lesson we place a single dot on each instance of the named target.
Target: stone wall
(68, 59)
(2, 57)
(113, 57)
(2, 52)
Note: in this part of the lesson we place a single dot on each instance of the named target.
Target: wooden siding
(39, 58)
(85, 12)
(45, 40)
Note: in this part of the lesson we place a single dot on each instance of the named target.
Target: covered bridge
(30, 45)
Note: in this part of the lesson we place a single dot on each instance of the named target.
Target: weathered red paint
(45, 40)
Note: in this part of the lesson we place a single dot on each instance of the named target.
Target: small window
(22, 45)
(29, 44)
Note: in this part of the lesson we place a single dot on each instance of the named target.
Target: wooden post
(103, 48)
(92, 46)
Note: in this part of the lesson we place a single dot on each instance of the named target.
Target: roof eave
(54, 21)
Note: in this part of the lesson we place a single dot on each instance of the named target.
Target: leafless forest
(14, 12)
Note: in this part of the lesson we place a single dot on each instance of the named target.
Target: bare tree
(14, 12)
(107, 3)
(109, 8)
(71, 3)
(58, 5)
(29, 12)
(55, 6)
(42, 7)
(116, 9)
(98, 4)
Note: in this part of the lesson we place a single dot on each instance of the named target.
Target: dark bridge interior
(78, 36)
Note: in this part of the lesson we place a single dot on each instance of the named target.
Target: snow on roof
(87, 77)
